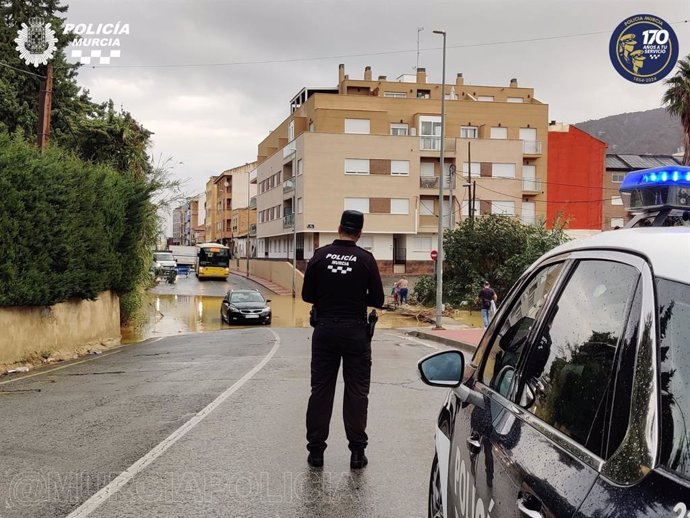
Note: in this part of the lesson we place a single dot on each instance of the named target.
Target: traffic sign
(434, 255)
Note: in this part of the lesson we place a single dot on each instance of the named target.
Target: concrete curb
(463, 346)
(271, 286)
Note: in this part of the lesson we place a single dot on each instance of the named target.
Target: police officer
(341, 280)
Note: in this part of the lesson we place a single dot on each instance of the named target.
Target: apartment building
(374, 145)
(193, 217)
(177, 225)
(228, 191)
(576, 191)
(617, 166)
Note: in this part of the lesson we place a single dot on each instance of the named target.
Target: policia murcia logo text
(643, 49)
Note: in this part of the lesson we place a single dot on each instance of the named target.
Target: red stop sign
(434, 255)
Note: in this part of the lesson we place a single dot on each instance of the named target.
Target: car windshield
(250, 296)
(674, 322)
(163, 257)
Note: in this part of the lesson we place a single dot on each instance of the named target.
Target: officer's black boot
(315, 460)
(358, 460)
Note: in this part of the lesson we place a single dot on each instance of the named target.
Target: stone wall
(62, 330)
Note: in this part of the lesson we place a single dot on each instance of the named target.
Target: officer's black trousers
(330, 343)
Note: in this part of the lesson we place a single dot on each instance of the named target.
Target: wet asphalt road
(66, 433)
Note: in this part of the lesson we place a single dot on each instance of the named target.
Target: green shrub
(70, 229)
(424, 290)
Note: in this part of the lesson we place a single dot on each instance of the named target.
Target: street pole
(294, 223)
(439, 259)
(469, 181)
(451, 174)
(249, 184)
(45, 97)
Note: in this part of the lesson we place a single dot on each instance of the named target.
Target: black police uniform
(341, 280)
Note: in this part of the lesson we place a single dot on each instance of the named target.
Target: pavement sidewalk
(275, 288)
(462, 337)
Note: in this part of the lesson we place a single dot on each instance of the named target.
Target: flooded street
(191, 306)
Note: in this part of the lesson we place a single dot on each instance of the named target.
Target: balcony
(288, 220)
(433, 143)
(431, 182)
(289, 149)
(289, 185)
(531, 186)
(531, 147)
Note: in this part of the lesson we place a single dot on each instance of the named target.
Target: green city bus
(212, 261)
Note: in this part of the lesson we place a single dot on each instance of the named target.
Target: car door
(533, 449)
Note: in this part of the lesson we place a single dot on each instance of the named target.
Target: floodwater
(168, 314)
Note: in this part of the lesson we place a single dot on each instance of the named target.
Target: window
(360, 204)
(300, 166)
(426, 207)
(570, 368)
(515, 100)
(617, 222)
(356, 166)
(422, 244)
(617, 177)
(506, 208)
(485, 98)
(423, 94)
(499, 133)
(400, 206)
(400, 167)
(674, 316)
(430, 132)
(396, 95)
(468, 132)
(512, 335)
(399, 130)
(427, 169)
(475, 169)
(360, 126)
(366, 242)
(616, 200)
(503, 170)
(291, 131)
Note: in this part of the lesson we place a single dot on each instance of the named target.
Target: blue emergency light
(660, 187)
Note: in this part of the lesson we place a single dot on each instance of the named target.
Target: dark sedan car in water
(245, 307)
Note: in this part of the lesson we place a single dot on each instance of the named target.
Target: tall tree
(676, 99)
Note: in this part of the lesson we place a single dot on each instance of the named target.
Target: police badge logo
(36, 42)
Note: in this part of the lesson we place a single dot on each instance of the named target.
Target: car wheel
(435, 497)
(222, 318)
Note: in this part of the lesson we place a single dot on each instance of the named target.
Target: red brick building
(575, 177)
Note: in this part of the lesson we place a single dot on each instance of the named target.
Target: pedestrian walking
(487, 296)
(341, 280)
(403, 288)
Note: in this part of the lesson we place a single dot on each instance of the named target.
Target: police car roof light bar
(659, 176)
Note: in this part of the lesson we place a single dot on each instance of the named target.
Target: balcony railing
(289, 149)
(531, 185)
(288, 220)
(431, 182)
(289, 185)
(531, 147)
(433, 143)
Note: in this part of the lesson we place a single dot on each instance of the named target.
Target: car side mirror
(268, 300)
(442, 369)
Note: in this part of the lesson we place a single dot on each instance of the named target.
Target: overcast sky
(211, 118)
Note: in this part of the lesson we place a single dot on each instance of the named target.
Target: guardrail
(289, 185)
(531, 185)
(288, 220)
(531, 147)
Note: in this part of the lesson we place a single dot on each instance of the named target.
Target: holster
(371, 323)
(312, 317)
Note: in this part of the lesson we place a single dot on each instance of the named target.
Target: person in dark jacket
(341, 281)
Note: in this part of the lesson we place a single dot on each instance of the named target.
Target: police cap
(352, 220)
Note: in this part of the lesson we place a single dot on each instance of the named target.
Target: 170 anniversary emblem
(643, 48)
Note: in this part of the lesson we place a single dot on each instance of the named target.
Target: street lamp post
(439, 260)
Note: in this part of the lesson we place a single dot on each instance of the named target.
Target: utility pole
(469, 181)
(45, 97)
(439, 259)
(294, 222)
(249, 184)
(419, 29)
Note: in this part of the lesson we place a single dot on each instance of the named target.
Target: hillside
(647, 132)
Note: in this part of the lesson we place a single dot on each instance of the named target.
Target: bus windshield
(212, 256)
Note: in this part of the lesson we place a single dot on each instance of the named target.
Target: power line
(541, 201)
(22, 71)
(365, 54)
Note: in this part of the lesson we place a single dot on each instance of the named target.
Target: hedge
(68, 229)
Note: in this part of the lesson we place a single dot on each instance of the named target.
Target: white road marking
(101, 496)
(425, 344)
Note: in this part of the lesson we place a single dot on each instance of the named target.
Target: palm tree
(676, 99)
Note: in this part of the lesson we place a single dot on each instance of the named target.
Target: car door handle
(473, 444)
(530, 513)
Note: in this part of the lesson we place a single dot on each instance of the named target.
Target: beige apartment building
(374, 146)
(224, 193)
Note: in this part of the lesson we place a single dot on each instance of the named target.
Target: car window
(674, 333)
(510, 339)
(569, 371)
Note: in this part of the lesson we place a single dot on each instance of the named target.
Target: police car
(576, 402)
